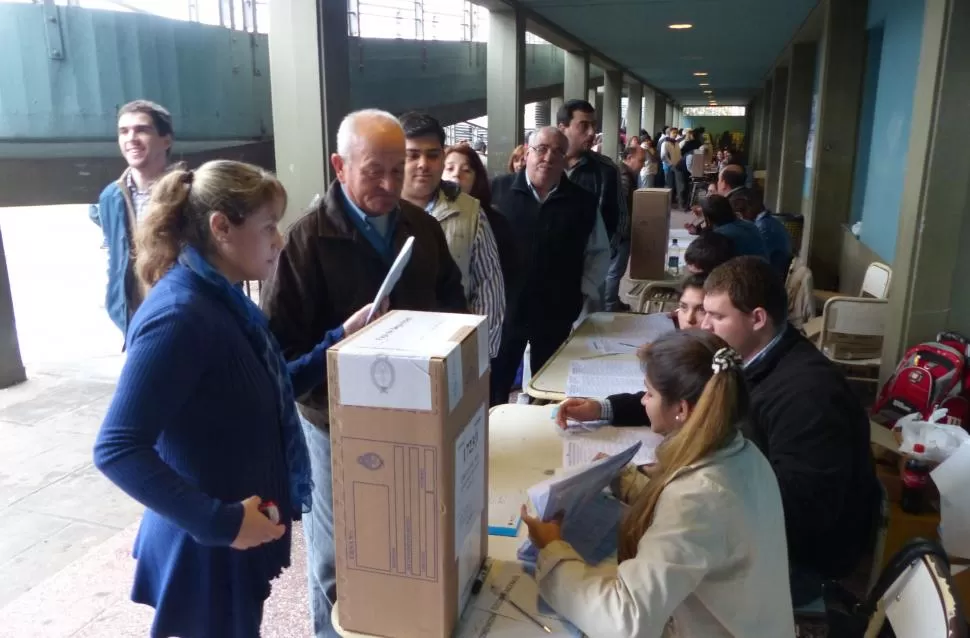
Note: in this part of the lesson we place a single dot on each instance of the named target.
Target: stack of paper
(589, 523)
(582, 446)
(504, 509)
(634, 328)
(595, 378)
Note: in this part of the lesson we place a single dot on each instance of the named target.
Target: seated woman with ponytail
(702, 549)
(202, 429)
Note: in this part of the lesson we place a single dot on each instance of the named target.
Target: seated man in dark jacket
(564, 257)
(805, 419)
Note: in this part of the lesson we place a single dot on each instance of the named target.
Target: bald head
(546, 158)
(369, 161)
(732, 176)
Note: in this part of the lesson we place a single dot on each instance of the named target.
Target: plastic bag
(939, 440)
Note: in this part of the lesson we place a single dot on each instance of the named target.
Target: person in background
(565, 256)
(651, 166)
(463, 166)
(633, 159)
(202, 429)
(633, 141)
(517, 158)
(599, 176)
(720, 218)
(145, 137)
(707, 252)
(335, 258)
(670, 157)
(703, 542)
(625, 409)
(750, 206)
(467, 231)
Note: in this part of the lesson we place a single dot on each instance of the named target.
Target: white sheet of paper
(602, 377)
(504, 507)
(393, 276)
(635, 329)
(951, 478)
(605, 345)
(581, 448)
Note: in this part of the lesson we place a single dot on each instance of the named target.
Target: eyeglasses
(543, 149)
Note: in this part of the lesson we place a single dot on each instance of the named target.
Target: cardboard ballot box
(649, 233)
(409, 430)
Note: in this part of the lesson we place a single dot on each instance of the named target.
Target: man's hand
(578, 410)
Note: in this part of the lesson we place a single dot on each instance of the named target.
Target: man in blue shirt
(145, 139)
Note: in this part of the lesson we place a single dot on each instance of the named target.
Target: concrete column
(776, 127)
(755, 134)
(765, 125)
(611, 113)
(11, 366)
(505, 86)
(659, 114)
(669, 114)
(554, 105)
(634, 110)
(841, 77)
(309, 75)
(576, 75)
(930, 290)
(798, 117)
(595, 98)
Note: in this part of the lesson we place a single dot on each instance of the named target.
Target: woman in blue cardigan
(202, 428)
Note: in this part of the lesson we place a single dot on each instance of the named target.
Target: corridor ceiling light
(681, 26)
(704, 84)
(701, 74)
(704, 92)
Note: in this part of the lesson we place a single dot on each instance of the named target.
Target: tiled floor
(65, 531)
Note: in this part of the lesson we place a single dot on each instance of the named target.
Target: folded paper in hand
(572, 495)
(393, 275)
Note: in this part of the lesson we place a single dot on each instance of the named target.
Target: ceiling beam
(556, 35)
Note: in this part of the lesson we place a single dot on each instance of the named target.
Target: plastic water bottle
(673, 257)
(915, 480)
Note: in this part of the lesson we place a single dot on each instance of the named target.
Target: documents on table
(393, 275)
(603, 377)
(581, 448)
(632, 329)
(489, 613)
(504, 507)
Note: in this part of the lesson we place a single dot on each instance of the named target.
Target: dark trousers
(545, 340)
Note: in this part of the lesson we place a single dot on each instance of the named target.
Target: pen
(508, 600)
(480, 578)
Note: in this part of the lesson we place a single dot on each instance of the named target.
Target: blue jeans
(318, 529)
(613, 276)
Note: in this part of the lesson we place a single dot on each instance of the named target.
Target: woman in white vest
(469, 235)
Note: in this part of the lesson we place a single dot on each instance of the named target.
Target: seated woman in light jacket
(702, 550)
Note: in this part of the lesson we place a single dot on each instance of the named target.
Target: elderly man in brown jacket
(334, 261)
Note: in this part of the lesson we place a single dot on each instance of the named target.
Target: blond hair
(182, 202)
(679, 368)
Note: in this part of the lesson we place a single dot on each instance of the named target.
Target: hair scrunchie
(726, 359)
(188, 177)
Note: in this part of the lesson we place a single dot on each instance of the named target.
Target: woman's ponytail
(696, 367)
(161, 233)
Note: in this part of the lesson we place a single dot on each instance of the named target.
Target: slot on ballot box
(409, 436)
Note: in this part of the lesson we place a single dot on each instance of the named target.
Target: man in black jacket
(804, 418)
(596, 173)
(564, 257)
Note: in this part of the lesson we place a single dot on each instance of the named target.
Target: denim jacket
(115, 216)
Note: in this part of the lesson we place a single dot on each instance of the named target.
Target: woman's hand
(542, 532)
(256, 527)
(358, 320)
(578, 410)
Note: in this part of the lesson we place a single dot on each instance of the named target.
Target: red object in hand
(269, 509)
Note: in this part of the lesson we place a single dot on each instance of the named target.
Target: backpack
(932, 375)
